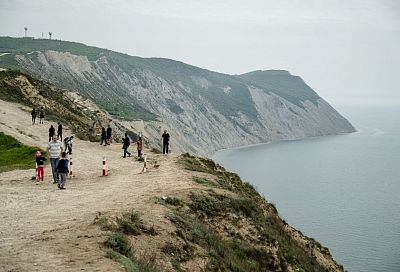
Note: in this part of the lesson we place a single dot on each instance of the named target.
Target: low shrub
(119, 250)
(173, 201)
(204, 181)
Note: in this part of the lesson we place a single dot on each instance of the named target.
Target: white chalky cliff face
(203, 111)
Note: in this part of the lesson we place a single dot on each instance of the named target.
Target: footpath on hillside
(46, 229)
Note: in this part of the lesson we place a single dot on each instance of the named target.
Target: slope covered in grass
(15, 155)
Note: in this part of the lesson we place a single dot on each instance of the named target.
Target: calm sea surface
(342, 190)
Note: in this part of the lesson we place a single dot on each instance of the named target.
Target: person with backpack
(62, 170)
(68, 144)
(52, 131)
(33, 114)
(41, 115)
(126, 143)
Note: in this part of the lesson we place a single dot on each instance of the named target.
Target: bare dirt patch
(43, 228)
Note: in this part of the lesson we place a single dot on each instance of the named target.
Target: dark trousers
(139, 153)
(103, 140)
(126, 151)
(165, 148)
(68, 149)
(63, 180)
(33, 119)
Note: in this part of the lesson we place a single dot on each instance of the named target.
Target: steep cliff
(203, 110)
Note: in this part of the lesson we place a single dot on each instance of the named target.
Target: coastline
(357, 130)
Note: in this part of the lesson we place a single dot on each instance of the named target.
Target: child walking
(62, 170)
(39, 167)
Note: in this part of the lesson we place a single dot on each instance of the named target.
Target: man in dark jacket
(34, 114)
(59, 130)
(109, 131)
(165, 138)
(52, 131)
(103, 137)
(126, 143)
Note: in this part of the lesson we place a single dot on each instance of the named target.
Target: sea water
(342, 190)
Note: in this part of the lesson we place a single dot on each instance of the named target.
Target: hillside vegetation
(204, 110)
(68, 108)
(225, 226)
(282, 83)
(185, 213)
(15, 155)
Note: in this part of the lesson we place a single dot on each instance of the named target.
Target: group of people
(105, 137)
(126, 142)
(58, 160)
(52, 132)
(58, 150)
(35, 112)
(67, 140)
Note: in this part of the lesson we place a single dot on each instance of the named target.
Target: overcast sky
(348, 48)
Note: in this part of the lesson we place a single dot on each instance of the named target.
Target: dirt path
(43, 228)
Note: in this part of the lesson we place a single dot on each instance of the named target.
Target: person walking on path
(109, 131)
(103, 136)
(165, 138)
(41, 115)
(68, 144)
(62, 171)
(139, 145)
(126, 143)
(52, 131)
(54, 149)
(59, 131)
(34, 114)
(39, 167)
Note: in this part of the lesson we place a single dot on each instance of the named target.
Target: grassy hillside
(15, 155)
(124, 106)
(282, 83)
(21, 88)
(225, 225)
(28, 45)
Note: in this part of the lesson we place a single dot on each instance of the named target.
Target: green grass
(117, 243)
(155, 150)
(173, 201)
(238, 100)
(204, 181)
(27, 45)
(120, 250)
(282, 83)
(226, 180)
(15, 155)
(270, 228)
(209, 207)
(224, 254)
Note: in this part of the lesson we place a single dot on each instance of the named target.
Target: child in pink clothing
(39, 167)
